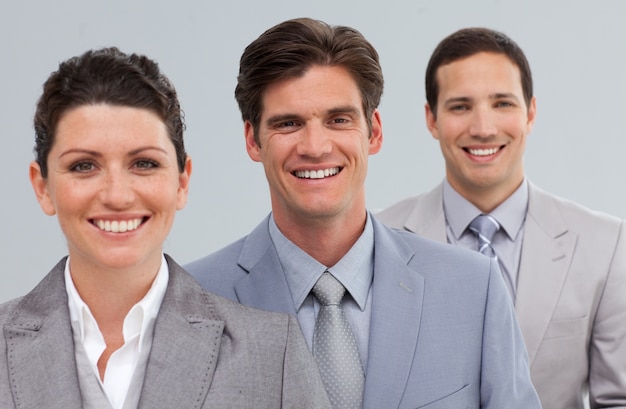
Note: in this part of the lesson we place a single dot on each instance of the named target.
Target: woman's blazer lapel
(40, 347)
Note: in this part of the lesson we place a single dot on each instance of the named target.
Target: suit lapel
(394, 326)
(547, 251)
(185, 346)
(40, 348)
(427, 218)
(265, 286)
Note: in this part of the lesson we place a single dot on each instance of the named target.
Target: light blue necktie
(485, 227)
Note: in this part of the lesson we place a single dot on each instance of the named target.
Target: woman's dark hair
(106, 76)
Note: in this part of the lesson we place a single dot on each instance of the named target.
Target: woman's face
(114, 184)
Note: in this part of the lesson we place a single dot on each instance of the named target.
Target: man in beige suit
(565, 265)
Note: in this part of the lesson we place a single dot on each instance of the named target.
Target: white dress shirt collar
(137, 330)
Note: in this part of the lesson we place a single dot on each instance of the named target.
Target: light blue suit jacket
(443, 332)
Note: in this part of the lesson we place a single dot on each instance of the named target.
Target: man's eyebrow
(454, 100)
(347, 109)
(499, 95)
(281, 118)
(496, 95)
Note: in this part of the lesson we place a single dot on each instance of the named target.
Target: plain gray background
(577, 51)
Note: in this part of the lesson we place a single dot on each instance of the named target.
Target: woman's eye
(146, 164)
(82, 167)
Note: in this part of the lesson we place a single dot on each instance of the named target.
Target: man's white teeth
(483, 152)
(316, 174)
(115, 226)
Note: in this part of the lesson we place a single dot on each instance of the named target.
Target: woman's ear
(183, 184)
(40, 186)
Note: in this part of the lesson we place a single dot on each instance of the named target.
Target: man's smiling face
(314, 143)
(481, 123)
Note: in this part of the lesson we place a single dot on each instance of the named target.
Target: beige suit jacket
(571, 294)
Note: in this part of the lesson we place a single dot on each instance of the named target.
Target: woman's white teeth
(316, 174)
(483, 152)
(118, 226)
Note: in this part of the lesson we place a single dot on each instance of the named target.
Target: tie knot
(485, 226)
(328, 290)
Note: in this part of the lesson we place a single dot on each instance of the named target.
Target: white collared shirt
(137, 331)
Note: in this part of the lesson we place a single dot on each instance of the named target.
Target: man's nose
(315, 140)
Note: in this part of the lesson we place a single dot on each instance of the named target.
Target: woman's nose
(117, 190)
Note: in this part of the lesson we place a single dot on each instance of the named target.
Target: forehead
(318, 88)
(98, 122)
(482, 70)
(102, 111)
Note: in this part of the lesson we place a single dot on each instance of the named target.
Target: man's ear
(431, 121)
(531, 115)
(254, 150)
(40, 186)
(376, 136)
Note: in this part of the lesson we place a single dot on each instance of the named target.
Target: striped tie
(485, 227)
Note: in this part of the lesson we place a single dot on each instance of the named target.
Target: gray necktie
(334, 347)
(485, 227)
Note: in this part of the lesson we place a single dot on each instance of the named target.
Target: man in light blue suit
(433, 324)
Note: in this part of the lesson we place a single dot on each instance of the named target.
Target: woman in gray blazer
(118, 324)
